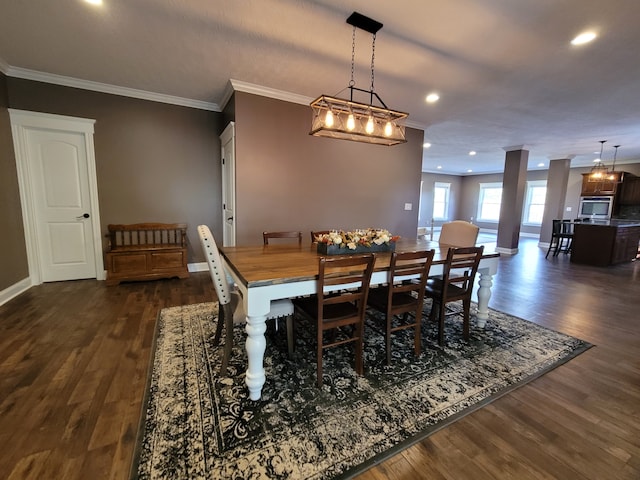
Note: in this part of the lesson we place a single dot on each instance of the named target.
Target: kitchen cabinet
(605, 243)
(630, 191)
(601, 187)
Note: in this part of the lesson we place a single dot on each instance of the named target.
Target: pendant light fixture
(612, 176)
(599, 171)
(344, 119)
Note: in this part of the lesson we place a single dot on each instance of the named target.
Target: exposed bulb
(369, 127)
(388, 129)
(328, 119)
(351, 122)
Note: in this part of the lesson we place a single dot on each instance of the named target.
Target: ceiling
(505, 71)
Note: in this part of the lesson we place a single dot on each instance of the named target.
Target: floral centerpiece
(356, 241)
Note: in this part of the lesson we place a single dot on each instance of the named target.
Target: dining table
(264, 273)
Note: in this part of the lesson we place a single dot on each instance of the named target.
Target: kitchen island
(606, 242)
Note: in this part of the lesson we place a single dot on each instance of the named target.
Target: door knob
(84, 215)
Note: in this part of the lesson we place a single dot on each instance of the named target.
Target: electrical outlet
(569, 209)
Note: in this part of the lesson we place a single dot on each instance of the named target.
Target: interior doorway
(55, 162)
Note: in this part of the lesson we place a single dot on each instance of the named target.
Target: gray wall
(13, 253)
(466, 190)
(289, 180)
(155, 162)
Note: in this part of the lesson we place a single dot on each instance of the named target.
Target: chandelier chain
(353, 55)
(373, 56)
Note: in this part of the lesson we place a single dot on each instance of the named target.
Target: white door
(228, 155)
(55, 160)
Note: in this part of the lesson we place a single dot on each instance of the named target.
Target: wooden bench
(146, 251)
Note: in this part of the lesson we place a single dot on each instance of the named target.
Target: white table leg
(484, 294)
(255, 345)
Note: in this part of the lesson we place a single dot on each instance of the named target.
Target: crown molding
(516, 147)
(416, 125)
(240, 86)
(4, 66)
(111, 89)
(246, 87)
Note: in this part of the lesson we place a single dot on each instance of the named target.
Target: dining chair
(459, 233)
(561, 237)
(230, 300)
(403, 297)
(316, 233)
(267, 236)
(456, 283)
(339, 306)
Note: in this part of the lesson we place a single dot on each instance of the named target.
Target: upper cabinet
(601, 186)
(630, 191)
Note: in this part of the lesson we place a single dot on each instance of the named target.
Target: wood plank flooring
(74, 358)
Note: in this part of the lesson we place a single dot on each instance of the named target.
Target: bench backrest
(147, 234)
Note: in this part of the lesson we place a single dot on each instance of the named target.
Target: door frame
(23, 120)
(228, 162)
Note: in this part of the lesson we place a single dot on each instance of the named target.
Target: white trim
(20, 121)
(198, 267)
(240, 86)
(246, 87)
(15, 290)
(4, 66)
(232, 86)
(111, 89)
(507, 251)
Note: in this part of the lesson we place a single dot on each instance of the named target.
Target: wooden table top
(284, 263)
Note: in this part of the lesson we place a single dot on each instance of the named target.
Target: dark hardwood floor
(74, 359)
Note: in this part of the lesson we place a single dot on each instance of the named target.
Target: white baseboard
(15, 290)
(507, 251)
(198, 267)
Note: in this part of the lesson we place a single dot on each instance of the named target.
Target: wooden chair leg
(387, 338)
(465, 319)
(228, 341)
(417, 336)
(359, 347)
(290, 336)
(551, 244)
(441, 325)
(216, 337)
(319, 357)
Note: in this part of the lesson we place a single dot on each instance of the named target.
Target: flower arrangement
(357, 238)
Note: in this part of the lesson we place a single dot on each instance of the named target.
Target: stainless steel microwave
(597, 208)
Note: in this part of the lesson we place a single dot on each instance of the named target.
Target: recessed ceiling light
(426, 145)
(583, 38)
(541, 164)
(432, 97)
(472, 153)
(469, 171)
(439, 167)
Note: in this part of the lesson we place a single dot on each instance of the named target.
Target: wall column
(557, 180)
(513, 189)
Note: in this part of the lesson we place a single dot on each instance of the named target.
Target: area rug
(199, 425)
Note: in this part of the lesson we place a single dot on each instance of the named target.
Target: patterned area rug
(201, 426)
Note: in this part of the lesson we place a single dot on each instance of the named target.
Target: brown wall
(289, 180)
(155, 162)
(13, 253)
(426, 210)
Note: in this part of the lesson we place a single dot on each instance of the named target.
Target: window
(489, 202)
(441, 201)
(534, 202)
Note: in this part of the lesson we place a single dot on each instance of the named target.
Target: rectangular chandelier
(348, 120)
(334, 117)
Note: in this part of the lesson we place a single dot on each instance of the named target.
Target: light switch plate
(408, 206)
